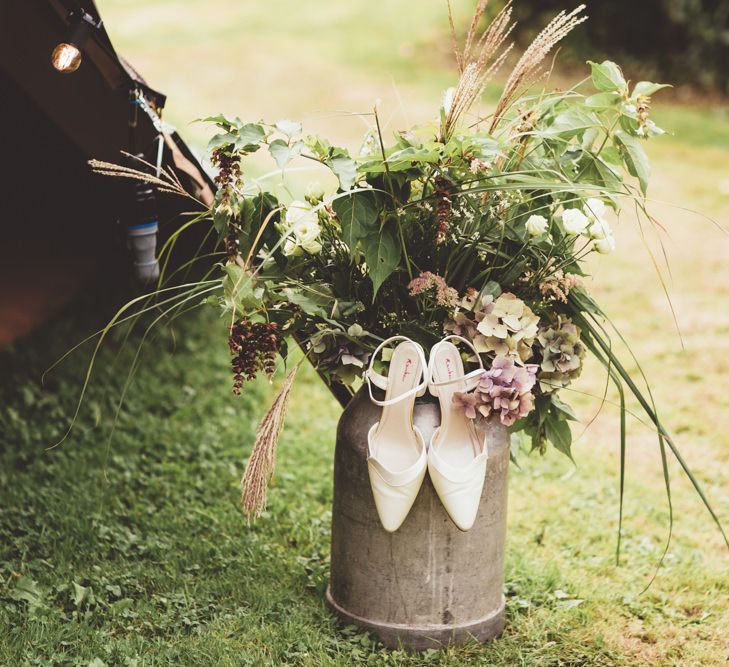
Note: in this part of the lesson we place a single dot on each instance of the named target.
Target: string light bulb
(67, 56)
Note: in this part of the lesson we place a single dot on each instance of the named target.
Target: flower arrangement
(474, 225)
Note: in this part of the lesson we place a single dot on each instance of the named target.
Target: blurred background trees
(677, 41)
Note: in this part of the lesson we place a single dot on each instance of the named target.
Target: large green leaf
(382, 253)
(605, 100)
(222, 121)
(344, 167)
(607, 77)
(570, 123)
(221, 139)
(402, 160)
(636, 161)
(249, 137)
(647, 88)
(316, 301)
(288, 127)
(241, 293)
(559, 434)
(283, 153)
(562, 410)
(358, 215)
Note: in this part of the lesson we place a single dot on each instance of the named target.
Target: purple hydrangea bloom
(503, 390)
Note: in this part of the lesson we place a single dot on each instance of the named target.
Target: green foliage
(358, 216)
(382, 253)
(608, 78)
(453, 210)
(634, 158)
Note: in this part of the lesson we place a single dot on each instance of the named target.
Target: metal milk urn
(428, 583)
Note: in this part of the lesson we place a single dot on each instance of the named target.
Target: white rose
(298, 211)
(306, 231)
(605, 245)
(314, 191)
(599, 230)
(595, 208)
(312, 247)
(536, 225)
(574, 221)
(302, 222)
(291, 248)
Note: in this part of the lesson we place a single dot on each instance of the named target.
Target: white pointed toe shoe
(396, 457)
(457, 455)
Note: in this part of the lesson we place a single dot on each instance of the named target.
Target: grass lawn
(136, 552)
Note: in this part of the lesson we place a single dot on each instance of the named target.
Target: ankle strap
(471, 378)
(381, 381)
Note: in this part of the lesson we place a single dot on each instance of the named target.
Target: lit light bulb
(66, 58)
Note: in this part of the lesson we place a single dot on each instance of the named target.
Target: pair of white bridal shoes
(398, 455)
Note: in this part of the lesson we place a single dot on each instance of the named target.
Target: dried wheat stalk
(166, 182)
(477, 63)
(258, 473)
(526, 69)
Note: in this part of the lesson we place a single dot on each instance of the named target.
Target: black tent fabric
(60, 221)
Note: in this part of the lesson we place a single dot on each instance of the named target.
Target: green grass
(139, 551)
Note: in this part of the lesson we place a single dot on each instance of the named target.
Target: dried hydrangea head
(504, 391)
(338, 356)
(561, 352)
(505, 326)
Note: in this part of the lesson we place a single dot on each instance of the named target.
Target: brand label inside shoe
(406, 372)
(449, 370)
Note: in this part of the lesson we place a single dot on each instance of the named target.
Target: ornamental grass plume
(167, 181)
(477, 63)
(526, 69)
(261, 464)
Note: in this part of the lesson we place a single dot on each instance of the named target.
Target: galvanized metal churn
(427, 584)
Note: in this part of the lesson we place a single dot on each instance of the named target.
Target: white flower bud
(536, 225)
(302, 224)
(355, 331)
(595, 208)
(599, 230)
(314, 191)
(605, 245)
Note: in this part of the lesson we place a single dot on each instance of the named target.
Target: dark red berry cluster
(253, 346)
(228, 177)
(228, 165)
(442, 208)
(231, 241)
